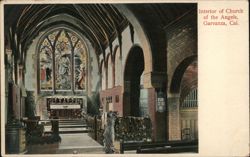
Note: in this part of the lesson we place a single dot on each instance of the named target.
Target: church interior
(100, 78)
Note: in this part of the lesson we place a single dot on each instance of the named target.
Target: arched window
(62, 61)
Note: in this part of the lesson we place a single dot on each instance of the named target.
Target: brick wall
(117, 98)
(181, 42)
(152, 110)
(174, 118)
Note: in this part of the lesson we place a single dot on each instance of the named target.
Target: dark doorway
(132, 76)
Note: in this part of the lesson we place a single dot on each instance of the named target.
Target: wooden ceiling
(25, 21)
(100, 23)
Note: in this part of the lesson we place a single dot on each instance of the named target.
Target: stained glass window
(63, 61)
(46, 65)
(63, 72)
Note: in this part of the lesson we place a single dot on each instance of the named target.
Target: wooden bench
(170, 146)
(177, 149)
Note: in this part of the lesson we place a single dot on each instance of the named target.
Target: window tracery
(62, 61)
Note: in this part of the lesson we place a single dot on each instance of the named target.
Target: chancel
(100, 78)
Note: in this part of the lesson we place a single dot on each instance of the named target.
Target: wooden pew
(141, 146)
(164, 150)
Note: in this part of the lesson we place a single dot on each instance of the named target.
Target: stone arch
(116, 50)
(134, 68)
(100, 66)
(117, 67)
(109, 69)
(103, 74)
(178, 73)
(147, 52)
(175, 114)
(188, 103)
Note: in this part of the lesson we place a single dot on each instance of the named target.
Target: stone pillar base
(158, 120)
(174, 132)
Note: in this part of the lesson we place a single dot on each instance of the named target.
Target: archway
(109, 72)
(179, 72)
(118, 67)
(132, 75)
(189, 102)
(103, 75)
(183, 88)
(144, 35)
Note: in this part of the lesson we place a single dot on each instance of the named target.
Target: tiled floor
(76, 143)
(79, 142)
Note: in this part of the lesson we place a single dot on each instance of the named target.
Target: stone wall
(116, 95)
(182, 42)
(181, 46)
(116, 92)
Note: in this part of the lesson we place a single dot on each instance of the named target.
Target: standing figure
(64, 71)
(109, 134)
(43, 74)
(81, 77)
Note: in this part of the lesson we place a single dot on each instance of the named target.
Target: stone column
(126, 99)
(8, 79)
(154, 81)
(174, 132)
(20, 74)
(22, 88)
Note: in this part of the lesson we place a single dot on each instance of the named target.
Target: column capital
(155, 80)
(20, 66)
(8, 51)
(173, 95)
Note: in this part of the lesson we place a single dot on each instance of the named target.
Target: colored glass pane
(73, 38)
(80, 66)
(63, 62)
(46, 66)
(52, 37)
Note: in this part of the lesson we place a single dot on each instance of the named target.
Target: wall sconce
(160, 102)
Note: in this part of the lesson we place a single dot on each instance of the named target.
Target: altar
(66, 107)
